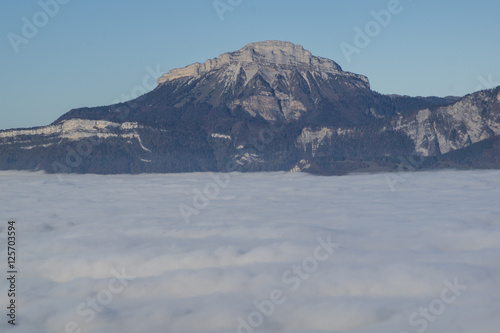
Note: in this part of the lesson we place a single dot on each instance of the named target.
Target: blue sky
(93, 52)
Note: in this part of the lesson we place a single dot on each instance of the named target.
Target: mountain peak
(274, 80)
(272, 54)
(275, 52)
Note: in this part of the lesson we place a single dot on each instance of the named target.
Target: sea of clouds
(267, 252)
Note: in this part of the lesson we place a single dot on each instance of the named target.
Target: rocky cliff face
(257, 56)
(274, 58)
(472, 119)
(74, 129)
(268, 106)
(274, 80)
(271, 81)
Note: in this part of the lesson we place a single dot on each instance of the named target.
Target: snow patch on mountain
(247, 158)
(313, 139)
(221, 136)
(302, 166)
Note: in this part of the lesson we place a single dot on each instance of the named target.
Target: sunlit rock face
(270, 106)
(472, 119)
(280, 75)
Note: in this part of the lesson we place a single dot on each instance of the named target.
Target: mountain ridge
(277, 53)
(207, 115)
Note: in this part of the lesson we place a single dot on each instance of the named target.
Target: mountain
(269, 106)
(474, 118)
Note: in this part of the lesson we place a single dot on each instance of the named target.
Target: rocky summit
(269, 106)
(280, 79)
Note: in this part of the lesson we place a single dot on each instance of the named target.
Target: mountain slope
(268, 106)
(472, 119)
(271, 81)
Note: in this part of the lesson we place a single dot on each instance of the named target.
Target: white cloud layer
(398, 253)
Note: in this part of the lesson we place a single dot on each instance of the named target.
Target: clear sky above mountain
(61, 54)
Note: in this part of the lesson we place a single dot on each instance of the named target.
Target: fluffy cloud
(114, 253)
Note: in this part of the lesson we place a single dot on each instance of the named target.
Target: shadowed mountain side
(269, 106)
